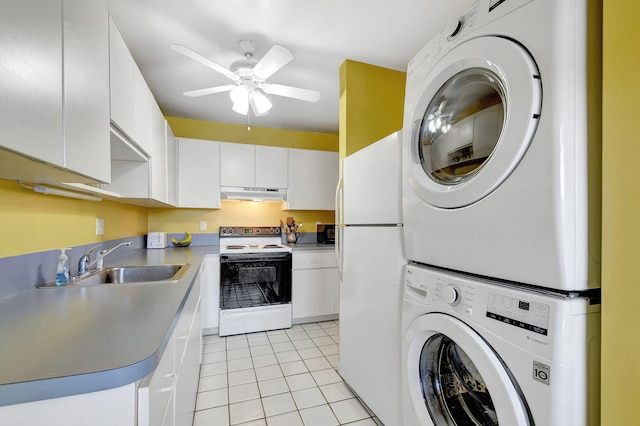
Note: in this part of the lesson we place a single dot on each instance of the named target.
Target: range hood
(252, 193)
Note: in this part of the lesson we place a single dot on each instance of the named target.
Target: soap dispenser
(62, 270)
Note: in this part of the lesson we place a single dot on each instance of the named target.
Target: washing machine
(477, 352)
(501, 145)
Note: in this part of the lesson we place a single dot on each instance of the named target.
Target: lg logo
(541, 372)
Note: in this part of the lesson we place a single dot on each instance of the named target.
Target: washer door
(455, 378)
(474, 121)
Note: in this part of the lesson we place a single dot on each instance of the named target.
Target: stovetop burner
(235, 247)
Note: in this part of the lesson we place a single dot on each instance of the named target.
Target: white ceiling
(320, 34)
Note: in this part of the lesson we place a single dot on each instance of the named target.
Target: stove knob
(271, 231)
(277, 230)
(451, 295)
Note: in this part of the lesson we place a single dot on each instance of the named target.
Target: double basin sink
(127, 275)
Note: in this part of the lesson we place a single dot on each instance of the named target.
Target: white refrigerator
(371, 260)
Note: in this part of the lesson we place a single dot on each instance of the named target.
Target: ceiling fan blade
(292, 92)
(276, 58)
(204, 61)
(210, 90)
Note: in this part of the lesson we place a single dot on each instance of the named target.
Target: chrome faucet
(85, 262)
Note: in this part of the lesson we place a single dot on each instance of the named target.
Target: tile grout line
(271, 342)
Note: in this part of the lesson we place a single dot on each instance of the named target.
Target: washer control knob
(453, 29)
(451, 295)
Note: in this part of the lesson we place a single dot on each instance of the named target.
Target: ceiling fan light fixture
(240, 98)
(261, 103)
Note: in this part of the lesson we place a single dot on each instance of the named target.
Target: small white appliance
(501, 144)
(255, 280)
(370, 251)
(475, 351)
(156, 240)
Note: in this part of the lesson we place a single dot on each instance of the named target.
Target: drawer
(183, 325)
(314, 260)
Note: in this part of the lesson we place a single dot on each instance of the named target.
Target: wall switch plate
(99, 226)
(203, 225)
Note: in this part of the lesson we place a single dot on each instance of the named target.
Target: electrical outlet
(99, 226)
(203, 225)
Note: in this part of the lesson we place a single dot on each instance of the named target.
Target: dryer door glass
(453, 389)
(462, 125)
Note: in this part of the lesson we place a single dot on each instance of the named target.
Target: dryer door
(473, 122)
(455, 378)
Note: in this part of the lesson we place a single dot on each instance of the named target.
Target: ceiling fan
(250, 78)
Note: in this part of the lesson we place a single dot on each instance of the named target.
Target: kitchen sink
(128, 275)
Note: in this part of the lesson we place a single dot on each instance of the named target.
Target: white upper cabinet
(237, 164)
(313, 176)
(332, 164)
(31, 78)
(198, 173)
(159, 155)
(271, 166)
(54, 86)
(172, 166)
(121, 68)
(86, 88)
(243, 165)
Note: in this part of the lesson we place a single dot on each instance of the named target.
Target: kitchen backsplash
(25, 272)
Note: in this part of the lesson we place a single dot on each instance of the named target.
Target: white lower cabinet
(211, 293)
(168, 395)
(314, 288)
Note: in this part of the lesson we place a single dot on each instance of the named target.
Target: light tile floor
(277, 378)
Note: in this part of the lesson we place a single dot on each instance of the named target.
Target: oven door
(251, 280)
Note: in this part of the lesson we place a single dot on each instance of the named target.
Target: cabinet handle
(168, 388)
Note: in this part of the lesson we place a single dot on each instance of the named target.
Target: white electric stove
(255, 280)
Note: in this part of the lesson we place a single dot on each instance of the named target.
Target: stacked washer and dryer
(501, 314)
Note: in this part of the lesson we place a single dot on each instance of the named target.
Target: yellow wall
(208, 130)
(31, 222)
(621, 209)
(371, 104)
(233, 213)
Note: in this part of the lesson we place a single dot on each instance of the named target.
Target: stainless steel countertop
(65, 341)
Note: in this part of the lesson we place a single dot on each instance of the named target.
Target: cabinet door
(31, 78)
(86, 88)
(159, 183)
(271, 166)
(172, 166)
(237, 164)
(121, 66)
(312, 293)
(211, 291)
(188, 370)
(198, 173)
(331, 182)
(307, 174)
(143, 103)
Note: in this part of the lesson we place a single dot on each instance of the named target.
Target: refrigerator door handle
(339, 225)
(338, 202)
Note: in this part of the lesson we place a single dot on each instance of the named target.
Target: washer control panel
(477, 297)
